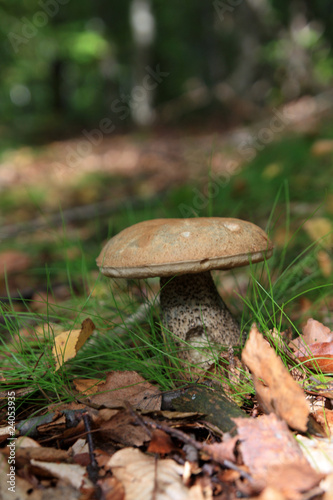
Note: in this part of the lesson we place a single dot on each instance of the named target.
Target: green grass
(67, 255)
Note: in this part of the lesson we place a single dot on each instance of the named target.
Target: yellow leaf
(320, 228)
(67, 344)
(272, 170)
(322, 147)
(87, 385)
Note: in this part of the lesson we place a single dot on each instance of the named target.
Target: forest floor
(116, 419)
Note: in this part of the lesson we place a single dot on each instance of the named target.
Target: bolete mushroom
(182, 252)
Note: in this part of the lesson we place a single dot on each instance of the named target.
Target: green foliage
(67, 63)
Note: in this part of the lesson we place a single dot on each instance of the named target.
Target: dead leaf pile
(117, 443)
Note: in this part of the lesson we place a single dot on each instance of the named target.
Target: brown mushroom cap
(166, 247)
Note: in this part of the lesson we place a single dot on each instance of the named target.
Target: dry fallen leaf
(314, 331)
(325, 418)
(124, 386)
(23, 489)
(273, 456)
(270, 493)
(26, 442)
(319, 452)
(111, 488)
(315, 347)
(25, 455)
(75, 474)
(147, 478)
(327, 486)
(80, 446)
(160, 443)
(276, 390)
(120, 427)
(222, 451)
(272, 170)
(266, 441)
(320, 229)
(322, 147)
(325, 263)
(318, 356)
(13, 261)
(67, 344)
(87, 385)
(293, 479)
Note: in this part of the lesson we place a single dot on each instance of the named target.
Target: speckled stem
(194, 311)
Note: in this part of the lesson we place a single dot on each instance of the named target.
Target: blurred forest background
(66, 65)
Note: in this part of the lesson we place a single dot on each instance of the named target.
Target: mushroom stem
(194, 311)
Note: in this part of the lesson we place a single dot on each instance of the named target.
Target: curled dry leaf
(276, 390)
(315, 347)
(67, 344)
(147, 478)
(318, 356)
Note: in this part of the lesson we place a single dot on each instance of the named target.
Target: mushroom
(182, 252)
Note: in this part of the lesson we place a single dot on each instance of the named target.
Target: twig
(86, 420)
(182, 436)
